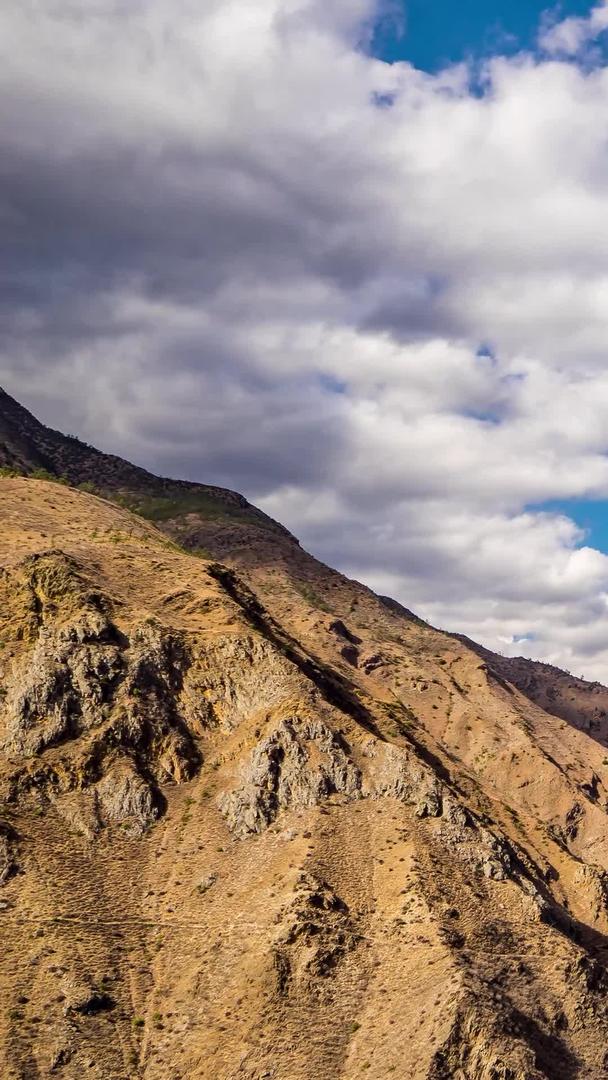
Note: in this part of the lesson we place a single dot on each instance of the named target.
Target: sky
(433, 35)
(348, 259)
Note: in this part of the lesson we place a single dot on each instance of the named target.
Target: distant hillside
(30, 447)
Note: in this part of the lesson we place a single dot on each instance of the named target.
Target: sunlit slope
(256, 821)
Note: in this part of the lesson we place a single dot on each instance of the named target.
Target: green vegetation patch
(313, 598)
(166, 507)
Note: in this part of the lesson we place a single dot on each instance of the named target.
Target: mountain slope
(256, 821)
(582, 703)
(29, 447)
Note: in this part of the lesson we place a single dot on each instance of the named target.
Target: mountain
(31, 448)
(256, 821)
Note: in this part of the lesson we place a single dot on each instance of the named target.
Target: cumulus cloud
(568, 37)
(238, 248)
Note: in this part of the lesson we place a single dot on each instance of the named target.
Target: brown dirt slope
(256, 822)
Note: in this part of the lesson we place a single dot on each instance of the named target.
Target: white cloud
(568, 37)
(240, 249)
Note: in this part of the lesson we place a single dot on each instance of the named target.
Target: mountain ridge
(28, 446)
(257, 821)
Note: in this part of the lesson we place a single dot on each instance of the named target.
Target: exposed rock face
(8, 863)
(593, 881)
(396, 772)
(234, 676)
(315, 933)
(152, 720)
(301, 763)
(116, 694)
(480, 1048)
(124, 796)
(61, 690)
(230, 849)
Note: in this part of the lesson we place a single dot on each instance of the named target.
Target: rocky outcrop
(234, 678)
(485, 1047)
(150, 720)
(63, 687)
(300, 763)
(114, 693)
(394, 771)
(314, 934)
(124, 796)
(8, 861)
(593, 883)
(80, 996)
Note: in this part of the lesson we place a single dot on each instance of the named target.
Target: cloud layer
(239, 249)
(569, 37)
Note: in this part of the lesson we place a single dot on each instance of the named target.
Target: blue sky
(441, 32)
(589, 515)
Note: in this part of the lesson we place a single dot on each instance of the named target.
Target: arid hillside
(259, 822)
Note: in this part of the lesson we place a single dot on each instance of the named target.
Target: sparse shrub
(314, 599)
(53, 478)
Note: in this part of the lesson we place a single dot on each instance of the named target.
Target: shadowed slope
(28, 446)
